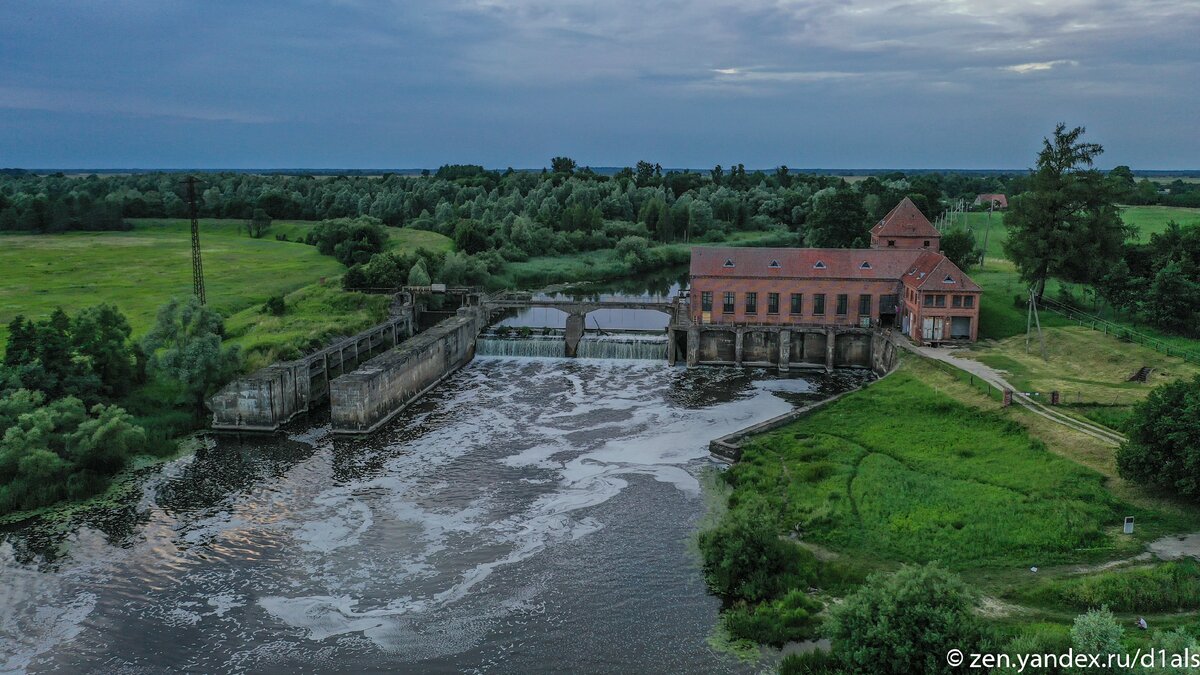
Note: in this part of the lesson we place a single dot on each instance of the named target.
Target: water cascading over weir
(369, 378)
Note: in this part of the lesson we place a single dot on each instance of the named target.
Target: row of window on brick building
(796, 305)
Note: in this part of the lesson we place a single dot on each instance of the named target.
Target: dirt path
(994, 377)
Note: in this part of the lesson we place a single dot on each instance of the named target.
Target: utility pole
(197, 265)
(1031, 319)
(983, 257)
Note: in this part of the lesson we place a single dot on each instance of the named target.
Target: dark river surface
(530, 515)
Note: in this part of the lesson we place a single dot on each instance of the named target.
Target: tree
(105, 443)
(1067, 225)
(349, 240)
(959, 247)
(259, 223)
(905, 622)
(184, 349)
(1163, 446)
(564, 165)
(469, 236)
(100, 337)
(1173, 301)
(837, 220)
(418, 275)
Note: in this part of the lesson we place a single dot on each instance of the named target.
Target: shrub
(274, 306)
(745, 559)
(1097, 632)
(774, 622)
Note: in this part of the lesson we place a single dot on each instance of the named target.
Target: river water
(530, 515)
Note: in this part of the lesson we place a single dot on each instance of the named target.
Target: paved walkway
(994, 377)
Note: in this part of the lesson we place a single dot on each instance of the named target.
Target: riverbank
(919, 467)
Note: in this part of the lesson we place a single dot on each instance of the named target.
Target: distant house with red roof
(902, 281)
(997, 201)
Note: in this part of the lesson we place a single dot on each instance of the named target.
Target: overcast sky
(415, 83)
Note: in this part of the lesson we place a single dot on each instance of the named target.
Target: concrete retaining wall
(884, 360)
(263, 400)
(268, 398)
(363, 400)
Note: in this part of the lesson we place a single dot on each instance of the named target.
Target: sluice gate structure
(369, 378)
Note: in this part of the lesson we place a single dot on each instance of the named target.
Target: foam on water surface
(419, 542)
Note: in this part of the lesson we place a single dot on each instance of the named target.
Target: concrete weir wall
(363, 400)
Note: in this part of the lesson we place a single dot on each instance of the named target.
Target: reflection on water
(530, 515)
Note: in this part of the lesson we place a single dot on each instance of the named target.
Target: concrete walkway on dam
(996, 379)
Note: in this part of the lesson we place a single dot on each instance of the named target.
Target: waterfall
(544, 346)
(623, 346)
(614, 346)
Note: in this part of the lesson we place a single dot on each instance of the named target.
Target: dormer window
(926, 243)
(865, 265)
(729, 262)
(891, 242)
(775, 264)
(948, 280)
(820, 265)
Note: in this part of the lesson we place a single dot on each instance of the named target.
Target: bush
(1097, 632)
(746, 560)
(905, 622)
(775, 622)
(274, 306)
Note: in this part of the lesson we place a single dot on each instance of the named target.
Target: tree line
(79, 397)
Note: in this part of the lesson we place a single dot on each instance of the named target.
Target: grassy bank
(1089, 369)
(922, 466)
(313, 316)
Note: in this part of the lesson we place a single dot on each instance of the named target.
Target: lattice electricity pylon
(197, 265)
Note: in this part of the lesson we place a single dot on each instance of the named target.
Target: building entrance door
(931, 328)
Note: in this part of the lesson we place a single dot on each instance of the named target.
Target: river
(530, 515)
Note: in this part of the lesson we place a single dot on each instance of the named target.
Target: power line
(197, 264)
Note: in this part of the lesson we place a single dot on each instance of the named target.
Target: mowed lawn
(141, 269)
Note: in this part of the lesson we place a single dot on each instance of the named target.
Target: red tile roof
(906, 220)
(935, 272)
(918, 268)
(802, 263)
(1001, 200)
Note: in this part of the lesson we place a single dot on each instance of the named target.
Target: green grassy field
(141, 269)
(922, 467)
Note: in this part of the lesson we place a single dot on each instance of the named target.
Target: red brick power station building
(782, 306)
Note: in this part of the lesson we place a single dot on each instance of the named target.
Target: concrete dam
(371, 377)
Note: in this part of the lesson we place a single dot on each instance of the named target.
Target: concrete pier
(365, 399)
(574, 333)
